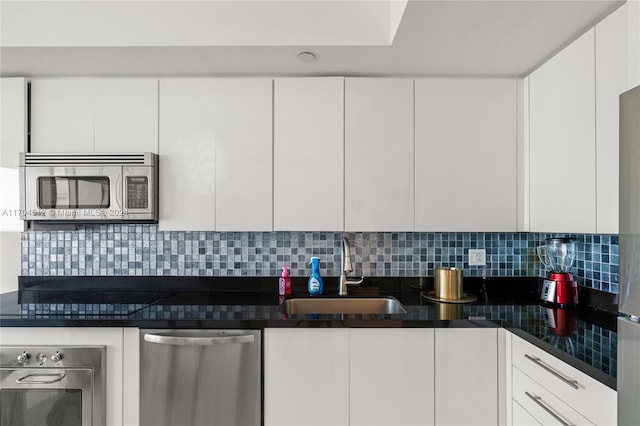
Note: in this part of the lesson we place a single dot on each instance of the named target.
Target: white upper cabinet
(94, 115)
(379, 174)
(243, 133)
(126, 115)
(308, 145)
(13, 123)
(62, 115)
(562, 162)
(216, 154)
(611, 81)
(465, 155)
(187, 155)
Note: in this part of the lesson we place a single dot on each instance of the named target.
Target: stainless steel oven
(89, 187)
(52, 386)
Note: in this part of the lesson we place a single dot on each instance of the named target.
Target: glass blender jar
(560, 288)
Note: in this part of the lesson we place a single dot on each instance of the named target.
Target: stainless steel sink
(342, 305)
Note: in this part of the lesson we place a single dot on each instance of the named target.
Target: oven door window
(76, 192)
(33, 407)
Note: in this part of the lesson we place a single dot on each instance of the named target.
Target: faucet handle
(352, 282)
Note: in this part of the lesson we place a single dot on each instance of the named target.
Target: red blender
(560, 288)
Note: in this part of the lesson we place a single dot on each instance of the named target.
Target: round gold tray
(431, 296)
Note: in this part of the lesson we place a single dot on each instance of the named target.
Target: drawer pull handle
(537, 361)
(538, 400)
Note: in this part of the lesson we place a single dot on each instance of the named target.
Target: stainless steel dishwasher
(200, 377)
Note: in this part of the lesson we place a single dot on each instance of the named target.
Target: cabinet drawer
(541, 404)
(522, 417)
(586, 395)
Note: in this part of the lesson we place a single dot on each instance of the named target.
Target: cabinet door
(13, 128)
(391, 377)
(187, 155)
(562, 149)
(243, 132)
(611, 81)
(379, 175)
(466, 376)
(306, 376)
(126, 115)
(465, 155)
(13, 140)
(308, 175)
(62, 115)
(131, 377)
(82, 336)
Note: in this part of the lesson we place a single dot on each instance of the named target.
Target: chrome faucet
(346, 268)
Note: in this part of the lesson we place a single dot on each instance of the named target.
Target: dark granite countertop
(584, 337)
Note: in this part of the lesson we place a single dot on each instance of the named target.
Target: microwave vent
(35, 159)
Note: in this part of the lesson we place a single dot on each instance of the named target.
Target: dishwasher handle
(199, 341)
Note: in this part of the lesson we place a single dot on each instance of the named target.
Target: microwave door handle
(119, 192)
(104, 202)
(54, 194)
(74, 196)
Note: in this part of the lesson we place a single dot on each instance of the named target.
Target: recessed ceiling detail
(55, 23)
(468, 38)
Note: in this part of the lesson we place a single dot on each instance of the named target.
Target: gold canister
(447, 283)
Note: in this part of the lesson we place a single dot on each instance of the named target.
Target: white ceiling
(171, 23)
(434, 38)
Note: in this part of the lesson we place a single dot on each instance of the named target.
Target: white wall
(13, 136)
(633, 45)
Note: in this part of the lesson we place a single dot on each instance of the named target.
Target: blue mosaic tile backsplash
(116, 249)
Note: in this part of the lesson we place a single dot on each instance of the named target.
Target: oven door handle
(198, 341)
(35, 381)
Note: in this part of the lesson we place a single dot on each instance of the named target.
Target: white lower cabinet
(391, 376)
(112, 338)
(554, 392)
(131, 377)
(306, 376)
(346, 376)
(466, 376)
(522, 417)
(541, 404)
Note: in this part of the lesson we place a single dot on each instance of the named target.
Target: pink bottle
(284, 285)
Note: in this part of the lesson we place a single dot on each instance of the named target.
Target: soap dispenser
(316, 285)
(284, 285)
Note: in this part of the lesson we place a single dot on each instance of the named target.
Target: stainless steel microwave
(89, 187)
